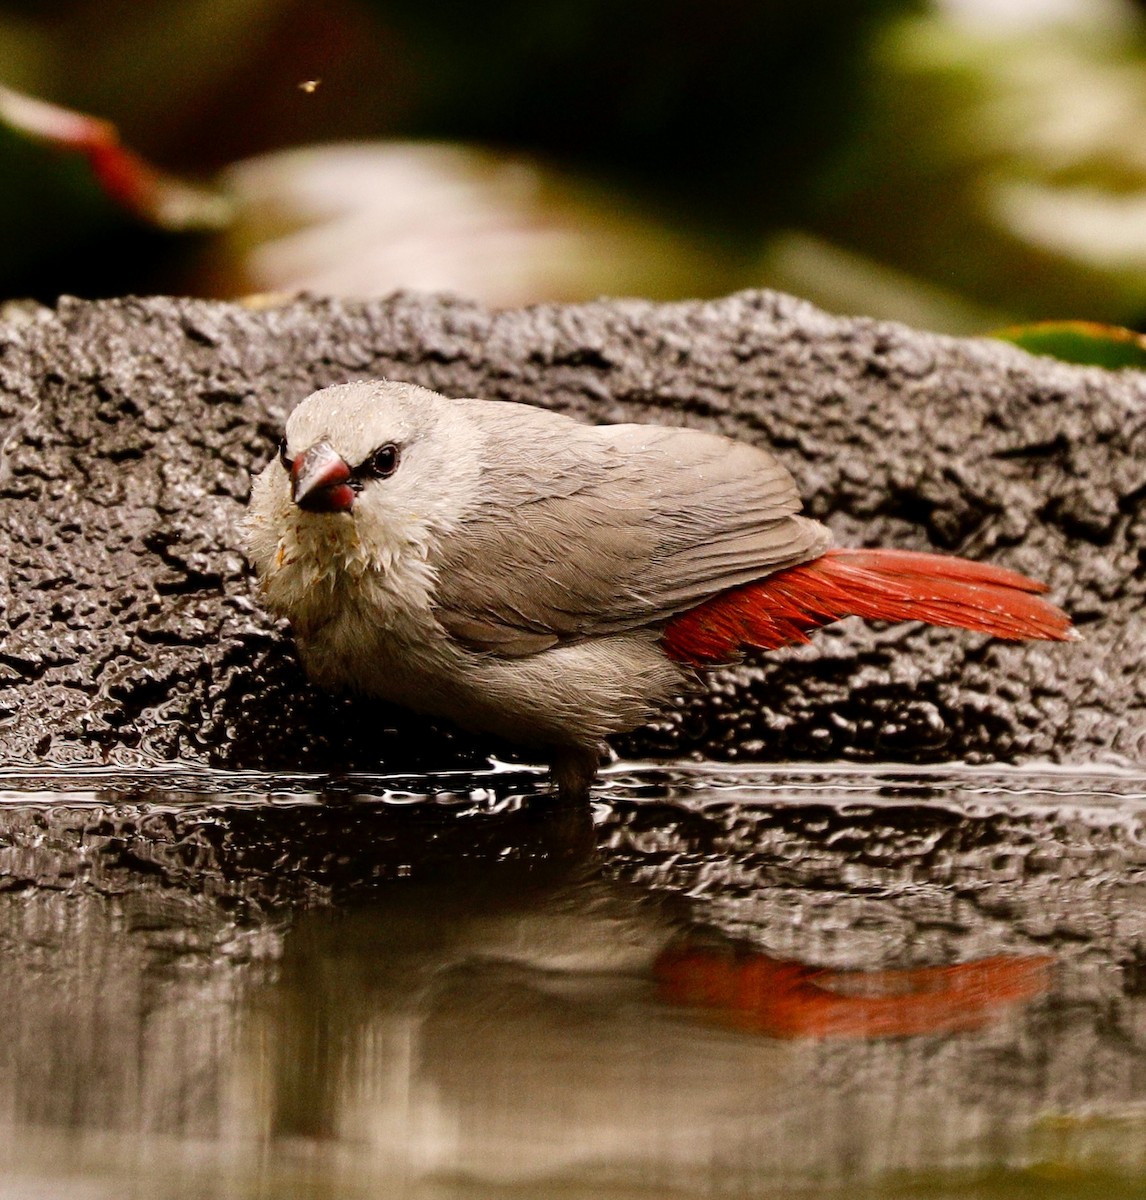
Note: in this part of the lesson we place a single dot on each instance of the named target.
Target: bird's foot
(573, 770)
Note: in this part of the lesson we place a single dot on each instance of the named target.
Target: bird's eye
(383, 462)
(286, 462)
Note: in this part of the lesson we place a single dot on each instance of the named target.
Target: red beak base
(320, 480)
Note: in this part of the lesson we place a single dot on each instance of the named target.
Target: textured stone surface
(130, 631)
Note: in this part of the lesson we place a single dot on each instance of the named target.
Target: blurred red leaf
(122, 176)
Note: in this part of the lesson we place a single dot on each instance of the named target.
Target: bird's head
(367, 478)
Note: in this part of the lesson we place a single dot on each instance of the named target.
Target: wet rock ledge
(130, 630)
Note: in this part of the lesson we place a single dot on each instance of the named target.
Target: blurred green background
(957, 164)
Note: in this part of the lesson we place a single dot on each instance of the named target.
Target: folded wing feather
(583, 530)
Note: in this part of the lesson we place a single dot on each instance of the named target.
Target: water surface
(718, 981)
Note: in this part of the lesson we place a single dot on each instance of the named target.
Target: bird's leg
(573, 769)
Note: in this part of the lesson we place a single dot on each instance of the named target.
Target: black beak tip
(337, 498)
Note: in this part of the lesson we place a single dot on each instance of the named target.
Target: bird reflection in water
(480, 1028)
(366, 992)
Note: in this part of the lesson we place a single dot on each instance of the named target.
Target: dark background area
(954, 164)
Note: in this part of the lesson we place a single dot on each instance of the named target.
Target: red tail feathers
(883, 585)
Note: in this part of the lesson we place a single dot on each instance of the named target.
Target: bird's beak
(320, 480)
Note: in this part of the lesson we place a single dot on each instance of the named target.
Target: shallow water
(720, 981)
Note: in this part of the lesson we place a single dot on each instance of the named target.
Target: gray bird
(553, 583)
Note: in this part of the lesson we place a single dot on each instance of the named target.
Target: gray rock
(130, 630)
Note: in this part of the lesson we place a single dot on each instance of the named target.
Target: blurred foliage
(1009, 166)
(959, 164)
(77, 185)
(362, 218)
(1081, 342)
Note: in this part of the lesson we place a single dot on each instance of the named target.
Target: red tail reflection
(789, 999)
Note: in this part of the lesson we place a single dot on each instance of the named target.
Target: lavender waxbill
(553, 583)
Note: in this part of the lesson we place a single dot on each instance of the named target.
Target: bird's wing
(586, 530)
